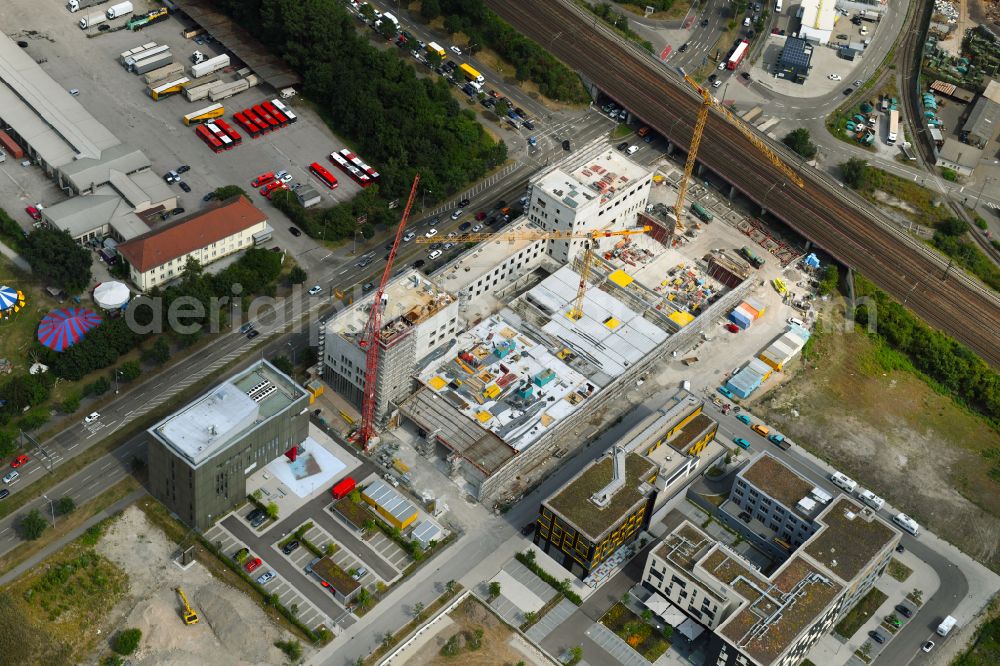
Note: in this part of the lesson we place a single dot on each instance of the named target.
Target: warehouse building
(419, 319)
(771, 619)
(959, 157)
(222, 229)
(983, 122)
(52, 129)
(201, 455)
(818, 19)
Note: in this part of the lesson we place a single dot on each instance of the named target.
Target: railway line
(824, 212)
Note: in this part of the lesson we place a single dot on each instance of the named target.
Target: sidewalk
(18, 260)
(59, 543)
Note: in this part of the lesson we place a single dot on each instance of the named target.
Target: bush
(297, 275)
(127, 641)
(949, 174)
(856, 173)
(228, 191)
(800, 141)
(65, 506)
(292, 649)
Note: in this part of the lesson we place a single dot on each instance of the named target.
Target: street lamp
(52, 506)
(290, 346)
(116, 381)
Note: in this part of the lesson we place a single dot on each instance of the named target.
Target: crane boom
(538, 235)
(373, 332)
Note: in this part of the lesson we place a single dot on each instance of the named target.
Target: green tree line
(531, 62)
(950, 364)
(398, 122)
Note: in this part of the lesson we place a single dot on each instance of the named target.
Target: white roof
(111, 295)
(208, 424)
(819, 15)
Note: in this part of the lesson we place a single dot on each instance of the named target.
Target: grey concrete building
(201, 455)
(982, 124)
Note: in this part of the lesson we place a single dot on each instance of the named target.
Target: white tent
(111, 295)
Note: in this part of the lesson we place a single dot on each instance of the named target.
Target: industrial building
(982, 123)
(771, 618)
(818, 19)
(201, 455)
(959, 157)
(159, 256)
(419, 319)
(598, 188)
(53, 130)
(794, 60)
(388, 503)
(581, 527)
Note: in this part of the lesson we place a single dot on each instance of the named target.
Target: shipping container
(163, 73)
(228, 90)
(8, 144)
(133, 51)
(198, 93)
(152, 63)
(209, 66)
(167, 89)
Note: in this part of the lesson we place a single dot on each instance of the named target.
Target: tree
(418, 610)
(430, 10)
(292, 649)
(368, 526)
(368, 12)
(272, 510)
(297, 275)
(647, 615)
(575, 655)
(364, 598)
(953, 227)
(799, 141)
(127, 641)
(949, 174)
(668, 632)
(856, 173)
(159, 353)
(529, 616)
(494, 590)
(58, 259)
(355, 496)
(33, 524)
(70, 404)
(129, 371)
(227, 191)
(451, 586)
(65, 506)
(387, 29)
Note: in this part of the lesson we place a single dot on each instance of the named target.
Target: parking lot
(118, 99)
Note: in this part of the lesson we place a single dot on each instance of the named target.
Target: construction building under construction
(419, 320)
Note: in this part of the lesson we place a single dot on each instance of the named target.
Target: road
(855, 233)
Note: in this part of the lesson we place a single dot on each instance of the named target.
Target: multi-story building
(598, 511)
(419, 319)
(772, 619)
(773, 494)
(159, 256)
(597, 188)
(201, 455)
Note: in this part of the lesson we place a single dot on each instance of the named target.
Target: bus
(262, 126)
(285, 110)
(354, 172)
(276, 113)
(739, 53)
(321, 172)
(227, 142)
(203, 115)
(210, 140)
(358, 162)
(247, 126)
(229, 131)
(261, 113)
(893, 126)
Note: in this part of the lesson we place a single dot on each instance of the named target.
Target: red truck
(343, 487)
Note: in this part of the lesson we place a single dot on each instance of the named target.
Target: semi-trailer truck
(200, 92)
(163, 73)
(471, 74)
(137, 23)
(151, 63)
(77, 5)
(208, 66)
(120, 10)
(91, 20)
(229, 89)
(142, 55)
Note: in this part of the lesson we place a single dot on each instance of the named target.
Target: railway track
(824, 212)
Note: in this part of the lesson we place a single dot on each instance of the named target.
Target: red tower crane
(370, 340)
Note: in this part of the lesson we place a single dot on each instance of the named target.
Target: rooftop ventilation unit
(603, 496)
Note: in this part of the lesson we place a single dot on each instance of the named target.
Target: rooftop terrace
(853, 536)
(217, 419)
(572, 501)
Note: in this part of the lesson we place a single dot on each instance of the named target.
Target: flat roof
(601, 174)
(851, 537)
(389, 500)
(960, 153)
(517, 388)
(684, 546)
(484, 257)
(269, 67)
(410, 299)
(572, 501)
(777, 480)
(215, 420)
(339, 579)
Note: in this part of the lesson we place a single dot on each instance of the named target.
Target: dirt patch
(152, 605)
(467, 617)
(892, 433)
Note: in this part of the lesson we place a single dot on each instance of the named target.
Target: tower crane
(370, 340)
(190, 617)
(709, 102)
(577, 310)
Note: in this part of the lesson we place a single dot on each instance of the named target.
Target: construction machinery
(709, 102)
(190, 617)
(588, 256)
(370, 341)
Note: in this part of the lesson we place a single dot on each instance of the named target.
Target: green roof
(572, 501)
(339, 579)
(850, 539)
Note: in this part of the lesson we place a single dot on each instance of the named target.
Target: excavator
(190, 617)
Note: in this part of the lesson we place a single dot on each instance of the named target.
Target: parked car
(265, 578)
(253, 334)
(726, 392)
(208, 197)
(368, 286)
(904, 611)
(928, 646)
(184, 186)
(732, 328)
(360, 573)
(177, 211)
(419, 263)
(434, 255)
(463, 203)
(431, 233)
(464, 226)
(740, 442)
(290, 547)
(252, 564)
(171, 177)
(90, 418)
(457, 214)
(4, 493)
(408, 236)
(18, 461)
(33, 212)
(11, 477)
(184, 168)
(848, 91)
(622, 146)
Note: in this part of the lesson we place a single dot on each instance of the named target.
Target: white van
(777, 6)
(946, 626)
(907, 524)
(871, 499)
(843, 482)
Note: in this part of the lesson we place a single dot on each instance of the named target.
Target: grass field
(985, 650)
(890, 431)
(898, 570)
(861, 613)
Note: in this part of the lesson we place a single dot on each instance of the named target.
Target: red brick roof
(191, 233)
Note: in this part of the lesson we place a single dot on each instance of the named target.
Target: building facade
(201, 455)
(160, 256)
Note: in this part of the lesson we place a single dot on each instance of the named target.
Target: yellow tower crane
(709, 102)
(577, 310)
(190, 617)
